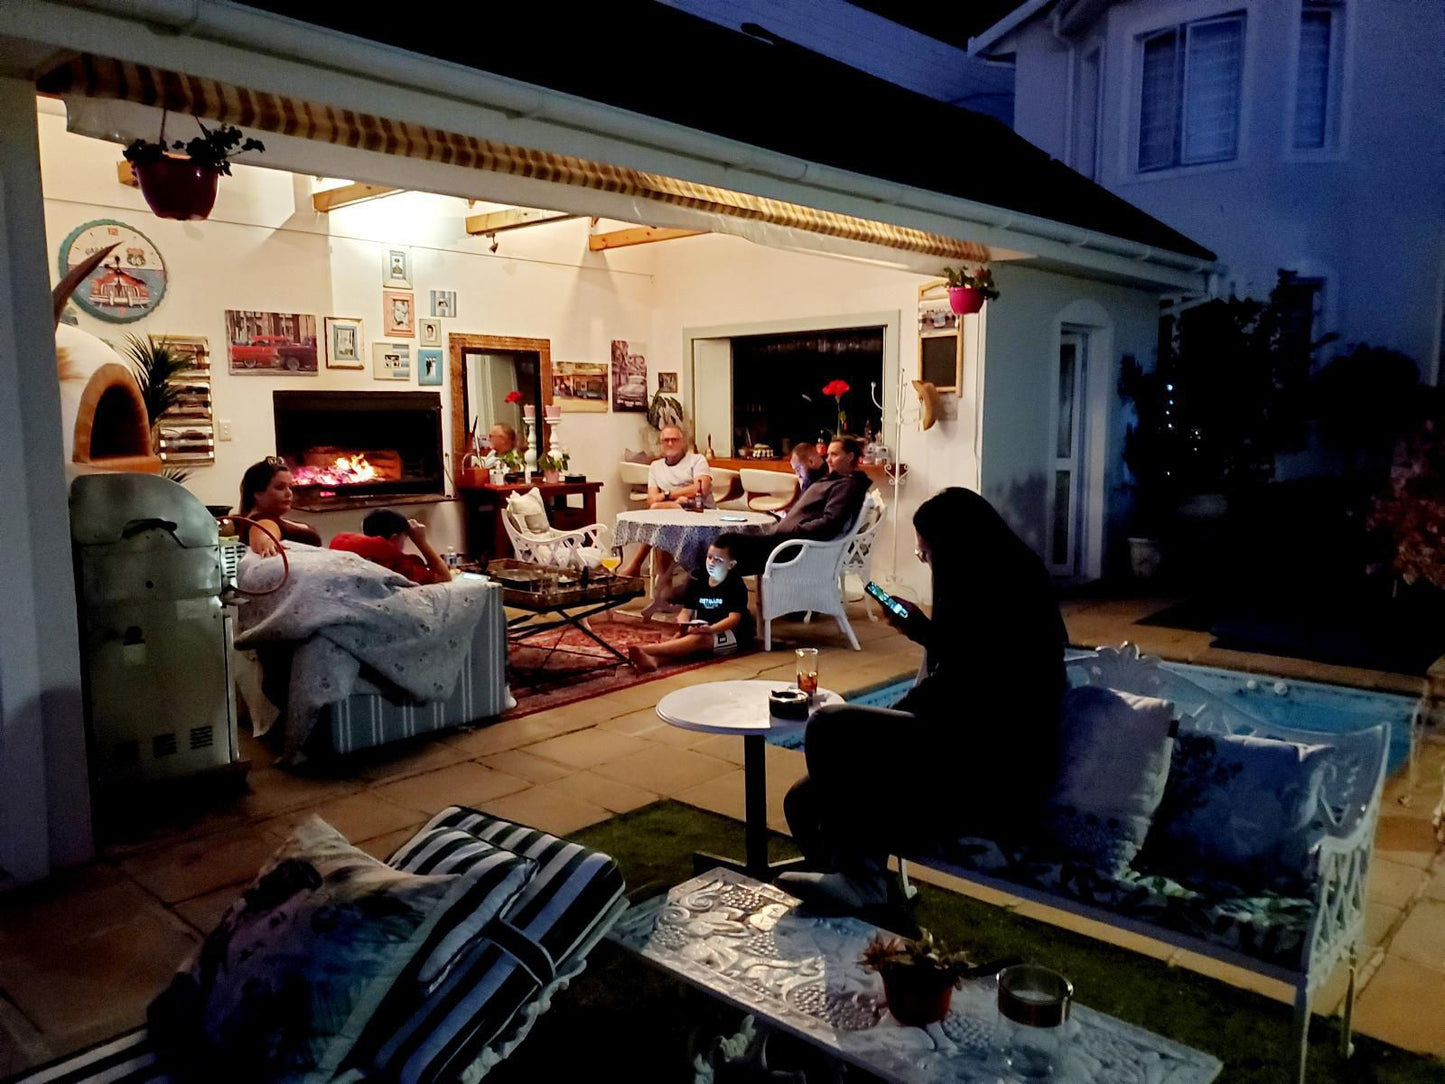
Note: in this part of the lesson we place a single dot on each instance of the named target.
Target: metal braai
(344, 446)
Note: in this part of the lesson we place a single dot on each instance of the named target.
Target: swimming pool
(1305, 705)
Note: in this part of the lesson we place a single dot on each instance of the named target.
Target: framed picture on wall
(396, 268)
(344, 343)
(667, 383)
(430, 331)
(629, 375)
(391, 361)
(429, 366)
(280, 343)
(444, 303)
(580, 385)
(398, 313)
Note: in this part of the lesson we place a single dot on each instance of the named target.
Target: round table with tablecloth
(686, 535)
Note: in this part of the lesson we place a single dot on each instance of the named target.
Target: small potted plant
(515, 466)
(919, 976)
(179, 179)
(552, 466)
(968, 290)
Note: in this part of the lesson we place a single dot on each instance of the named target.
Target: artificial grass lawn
(625, 1016)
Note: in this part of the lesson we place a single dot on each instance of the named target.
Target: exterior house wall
(1366, 217)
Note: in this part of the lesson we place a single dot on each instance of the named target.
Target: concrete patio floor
(83, 953)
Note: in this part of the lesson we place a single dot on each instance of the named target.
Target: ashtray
(790, 704)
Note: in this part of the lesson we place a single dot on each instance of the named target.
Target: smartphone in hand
(888, 601)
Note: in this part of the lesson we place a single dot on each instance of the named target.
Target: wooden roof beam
(514, 218)
(641, 235)
(330, 199)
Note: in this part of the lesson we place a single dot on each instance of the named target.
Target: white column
(44, 780)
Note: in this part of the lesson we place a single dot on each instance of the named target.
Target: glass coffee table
(740, 707)
(745, 943)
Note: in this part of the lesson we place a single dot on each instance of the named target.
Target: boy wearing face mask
(714, 618)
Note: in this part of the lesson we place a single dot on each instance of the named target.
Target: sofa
(1165, 862)
(366, 719)
(502, 967)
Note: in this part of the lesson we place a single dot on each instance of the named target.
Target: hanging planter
(178, 188)
(965, 300)
(968, 290)
(179, 180)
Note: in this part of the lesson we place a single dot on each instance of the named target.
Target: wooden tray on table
(541, 587)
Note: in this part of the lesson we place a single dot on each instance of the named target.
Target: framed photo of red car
(278, 343)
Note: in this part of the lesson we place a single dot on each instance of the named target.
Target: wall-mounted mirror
(484, 370)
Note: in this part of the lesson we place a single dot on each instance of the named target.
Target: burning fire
(345, 470)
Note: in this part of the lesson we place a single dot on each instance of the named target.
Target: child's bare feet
(639, 657)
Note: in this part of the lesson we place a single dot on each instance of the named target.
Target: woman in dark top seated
(266, 497)
(972, 749)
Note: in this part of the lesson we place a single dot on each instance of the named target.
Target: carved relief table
(743, 942)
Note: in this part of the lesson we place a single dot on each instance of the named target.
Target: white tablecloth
(686, 535)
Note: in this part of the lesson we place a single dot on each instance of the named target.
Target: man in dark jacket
(825, 510)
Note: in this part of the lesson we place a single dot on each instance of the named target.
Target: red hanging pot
(917, 996)
(965, 300)
(178, 187)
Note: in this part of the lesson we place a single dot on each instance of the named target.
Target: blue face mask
(717, 571)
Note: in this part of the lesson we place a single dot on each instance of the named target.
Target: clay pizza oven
(111, 430)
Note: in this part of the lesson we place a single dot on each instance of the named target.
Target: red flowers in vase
(837, 389)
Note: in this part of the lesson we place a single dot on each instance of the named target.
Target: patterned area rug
(543, 678)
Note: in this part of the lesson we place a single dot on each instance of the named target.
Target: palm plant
(155, 369)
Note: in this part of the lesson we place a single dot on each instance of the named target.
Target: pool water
(1304, 705)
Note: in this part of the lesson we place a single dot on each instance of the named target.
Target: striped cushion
(561, 911)
(496, 874)
(127, 1059)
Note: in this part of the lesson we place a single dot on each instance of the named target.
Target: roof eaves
(983, 44)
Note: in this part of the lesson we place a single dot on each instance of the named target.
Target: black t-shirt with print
(712, 604)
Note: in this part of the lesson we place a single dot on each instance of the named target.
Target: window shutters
(1158, 101)
(1213, 62)
(1315, 85)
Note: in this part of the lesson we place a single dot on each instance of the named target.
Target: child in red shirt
(384, 533)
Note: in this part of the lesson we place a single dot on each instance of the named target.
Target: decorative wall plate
(129, 284)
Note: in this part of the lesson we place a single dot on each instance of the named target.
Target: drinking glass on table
(808, 670)
(1033, 1006)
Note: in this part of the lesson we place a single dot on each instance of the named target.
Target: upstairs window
(1317, 86)
(1189, 93)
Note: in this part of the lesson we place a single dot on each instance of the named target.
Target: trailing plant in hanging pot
(968, 290)
(179, 179)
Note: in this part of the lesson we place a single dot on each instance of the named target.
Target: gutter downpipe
(256, 31)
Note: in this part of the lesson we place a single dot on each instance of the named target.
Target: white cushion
(1114, 752)
(529, 511)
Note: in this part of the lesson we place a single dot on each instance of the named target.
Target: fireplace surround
(347, 448)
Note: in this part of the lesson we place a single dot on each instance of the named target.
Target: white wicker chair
(858, 560)
(559, 549)
(724, 481)
(809, 581)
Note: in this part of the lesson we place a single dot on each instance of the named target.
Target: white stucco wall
(1368, 218)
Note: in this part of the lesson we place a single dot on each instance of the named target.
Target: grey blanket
(340, 612)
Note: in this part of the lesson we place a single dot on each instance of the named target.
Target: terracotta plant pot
(917, 996)
(551, 476)
(965, 300)
(178, 187)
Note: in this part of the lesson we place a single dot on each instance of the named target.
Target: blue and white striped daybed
(487, 1002)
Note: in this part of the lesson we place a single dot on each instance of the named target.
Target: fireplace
(360, 447)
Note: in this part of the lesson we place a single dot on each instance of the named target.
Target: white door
(712, 394)
(1064, 514)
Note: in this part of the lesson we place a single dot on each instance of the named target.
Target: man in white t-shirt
(678, 475)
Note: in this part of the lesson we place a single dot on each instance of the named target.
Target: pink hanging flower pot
(965, 300)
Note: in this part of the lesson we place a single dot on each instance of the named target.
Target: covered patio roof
(704, 164)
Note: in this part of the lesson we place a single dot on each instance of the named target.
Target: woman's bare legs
(679, 647)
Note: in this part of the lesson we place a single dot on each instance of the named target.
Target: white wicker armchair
(559, 549)
(809, 581)
(858, 560)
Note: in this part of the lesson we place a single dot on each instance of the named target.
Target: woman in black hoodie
(972, 749)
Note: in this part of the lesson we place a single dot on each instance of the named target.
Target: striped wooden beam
(641, 235)
(514, 218)
(331, 198)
